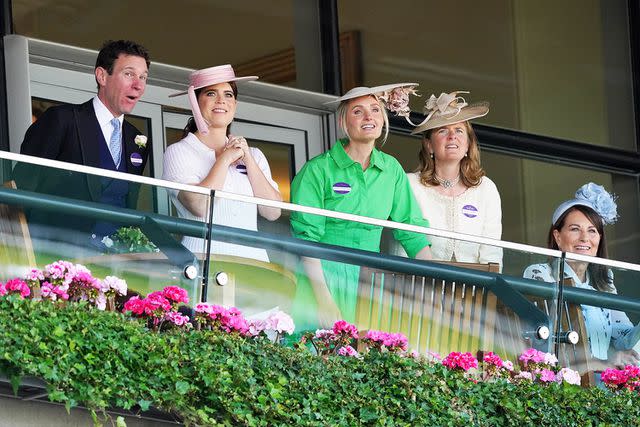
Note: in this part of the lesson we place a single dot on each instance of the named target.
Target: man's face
(121, 90)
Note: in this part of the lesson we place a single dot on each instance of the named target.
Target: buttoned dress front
(335, 182)
(476, 212)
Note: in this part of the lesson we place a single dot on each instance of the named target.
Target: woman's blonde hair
(342, 111)
(471, 171)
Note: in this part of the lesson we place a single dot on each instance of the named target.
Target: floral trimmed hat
(449, 108)
(595, 197)
(394, 96)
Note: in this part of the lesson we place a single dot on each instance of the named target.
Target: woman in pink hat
(210, 156)
(353, 177)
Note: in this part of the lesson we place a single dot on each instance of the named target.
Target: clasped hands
(236, 149)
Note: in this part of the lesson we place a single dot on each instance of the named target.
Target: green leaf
(182, 387)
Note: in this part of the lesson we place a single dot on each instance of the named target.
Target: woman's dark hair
(599, 273)
(191, 123)
(471, 171)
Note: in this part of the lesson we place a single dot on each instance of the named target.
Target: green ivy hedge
(103, 360)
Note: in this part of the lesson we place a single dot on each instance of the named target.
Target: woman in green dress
(352, 177)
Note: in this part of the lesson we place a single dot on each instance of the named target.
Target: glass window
(530, 190)
(256, 37)
(549, 68)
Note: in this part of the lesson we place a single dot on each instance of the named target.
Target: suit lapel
(89, 136)
(88, 127)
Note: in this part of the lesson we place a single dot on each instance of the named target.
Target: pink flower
(457, 360)
(348, 351)
(34, 275)
(204, 308)
(3, 290)
(491, 358)
(568, 375)
(155, 303)
(537, 357)
(324, 334)
(18, 286)
(256, 326)
(508, 365)
(281, 322)
(342, 327)
(46, 290)
(393, 342)
(61, 271)
(175, 294)
(614, 377)
(547, 376)
(61, 292)
(176, 318)
(524, 375)
(135, 305)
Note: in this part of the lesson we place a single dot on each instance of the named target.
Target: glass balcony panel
(95, 220)
(441, 306)
(605, 296)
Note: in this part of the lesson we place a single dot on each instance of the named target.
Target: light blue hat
(595, 197)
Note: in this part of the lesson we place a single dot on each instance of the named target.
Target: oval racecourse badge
(469, 211)
(341, 188)
(241, 168)
(136, 159)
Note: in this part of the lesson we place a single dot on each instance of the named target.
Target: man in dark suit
(93, 134)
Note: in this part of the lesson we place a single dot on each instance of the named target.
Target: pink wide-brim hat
(208, 77)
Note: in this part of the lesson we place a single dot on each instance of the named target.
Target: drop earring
(431, 155)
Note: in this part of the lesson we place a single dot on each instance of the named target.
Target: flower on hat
(141, 141)
(603, 202)
(397, 100)
(447, 104)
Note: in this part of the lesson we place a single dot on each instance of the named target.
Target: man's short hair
(112, 49)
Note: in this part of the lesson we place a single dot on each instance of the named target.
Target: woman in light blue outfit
(578, 227)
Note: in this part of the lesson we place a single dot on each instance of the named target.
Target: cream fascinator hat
(208, 77)
(447, 109)
(394, 96)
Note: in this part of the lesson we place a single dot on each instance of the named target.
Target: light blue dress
(605, 327)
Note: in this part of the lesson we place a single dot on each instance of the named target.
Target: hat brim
(473, 111)
(357, 92)
(237, 80)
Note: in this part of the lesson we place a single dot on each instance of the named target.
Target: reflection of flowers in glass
(141, 141)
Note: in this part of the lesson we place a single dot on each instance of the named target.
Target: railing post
(207, 255)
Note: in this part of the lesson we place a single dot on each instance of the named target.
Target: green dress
(336, 182)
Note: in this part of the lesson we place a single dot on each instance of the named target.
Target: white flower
(141, 141)
(112, 283)
(568, 375)
(107, 241)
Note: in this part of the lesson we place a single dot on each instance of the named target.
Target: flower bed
(228, 369)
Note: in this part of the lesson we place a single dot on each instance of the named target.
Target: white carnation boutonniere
(141, 141)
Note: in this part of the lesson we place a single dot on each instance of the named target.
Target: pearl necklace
(446, 183)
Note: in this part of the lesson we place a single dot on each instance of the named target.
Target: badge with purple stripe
(241, 168)
(341, 188)
(136, 159)
(469, 211)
